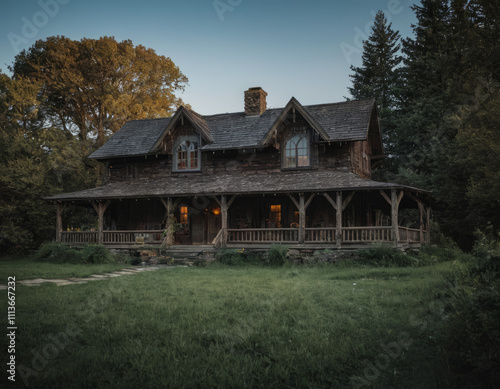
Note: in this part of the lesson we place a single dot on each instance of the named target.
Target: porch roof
(197, 184)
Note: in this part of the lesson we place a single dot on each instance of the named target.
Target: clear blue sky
(288, 47)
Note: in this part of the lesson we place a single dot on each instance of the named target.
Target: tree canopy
(64, 98)
(443, 125)
(92, 87)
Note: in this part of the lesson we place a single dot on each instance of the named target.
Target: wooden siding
(323, 156)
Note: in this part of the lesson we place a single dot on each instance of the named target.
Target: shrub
(96, 254)
(429, 255)
(122, 258)
(166, 261)
(58, 253)
(230, 257)
(386, 256)
(471, 334)
(277, 255)
(135, 261)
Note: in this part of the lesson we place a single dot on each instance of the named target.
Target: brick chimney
(255, 101)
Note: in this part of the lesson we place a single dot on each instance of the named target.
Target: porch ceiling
(228, 184)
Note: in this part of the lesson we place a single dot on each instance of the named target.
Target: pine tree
(377, 75)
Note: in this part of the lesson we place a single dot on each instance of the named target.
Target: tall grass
(221, 327)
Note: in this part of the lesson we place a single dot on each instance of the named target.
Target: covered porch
(330, 219)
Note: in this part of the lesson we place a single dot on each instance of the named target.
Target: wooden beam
(294, 201)
(384, 195)
(428, 224)
(217, 200)
(394, 216)
(302, 219)
(330, 200)
(230, 202)
(100, 207)
(308, 202)
(347, 200)
(59, 225)
(169, 237)
(224, 209)
(338, 222)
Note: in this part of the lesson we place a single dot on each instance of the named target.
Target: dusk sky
(289, 48)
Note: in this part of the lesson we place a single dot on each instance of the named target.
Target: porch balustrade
(409, 235)
(79, 237)
(366, 234)
(257, 235)
(113, 237)
(262, 235)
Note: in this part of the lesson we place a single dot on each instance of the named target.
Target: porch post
(421, 214)
(223, 208)
(100, 208)
(428, 224)
(59, 225)
(169, 238)
(338, 222)
(394, 216)
(302, 219)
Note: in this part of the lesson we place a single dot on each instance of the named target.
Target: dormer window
(297, 152)
(186, 155)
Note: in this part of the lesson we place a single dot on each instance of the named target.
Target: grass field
(335, 326)
(27, 269)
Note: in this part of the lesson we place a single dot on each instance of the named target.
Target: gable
(181, 116)
(292, 109)
(337, 122)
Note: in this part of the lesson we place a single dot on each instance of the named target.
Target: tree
(93, 86)
(377, 76)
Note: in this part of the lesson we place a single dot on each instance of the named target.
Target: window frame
(190, 154)
(302, 137)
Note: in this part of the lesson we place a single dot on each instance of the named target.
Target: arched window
(187, 156)
(297, 152)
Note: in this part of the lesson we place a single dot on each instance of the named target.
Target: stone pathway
(83, 280)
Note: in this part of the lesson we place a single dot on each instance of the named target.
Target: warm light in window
(216, 211)
(275, 216)
(184, 215)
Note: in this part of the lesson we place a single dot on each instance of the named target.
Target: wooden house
(298, 175)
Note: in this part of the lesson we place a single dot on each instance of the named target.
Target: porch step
(190, 252)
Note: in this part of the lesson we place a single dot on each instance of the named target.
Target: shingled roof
(343, 121)
(227, 184)
(136, 137)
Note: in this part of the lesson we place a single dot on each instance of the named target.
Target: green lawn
(26, 269)
(222, 327)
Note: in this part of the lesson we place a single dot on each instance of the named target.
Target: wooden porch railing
(366, 234)
(217, 242)
(262, 235)
(256, 235)
(79, 237)
(113, 237)
(350, 234)
(411, 235)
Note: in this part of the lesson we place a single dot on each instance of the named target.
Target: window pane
(297, 152)
(275, 216)
(193, 156)
(182, 156)
(184, 215)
